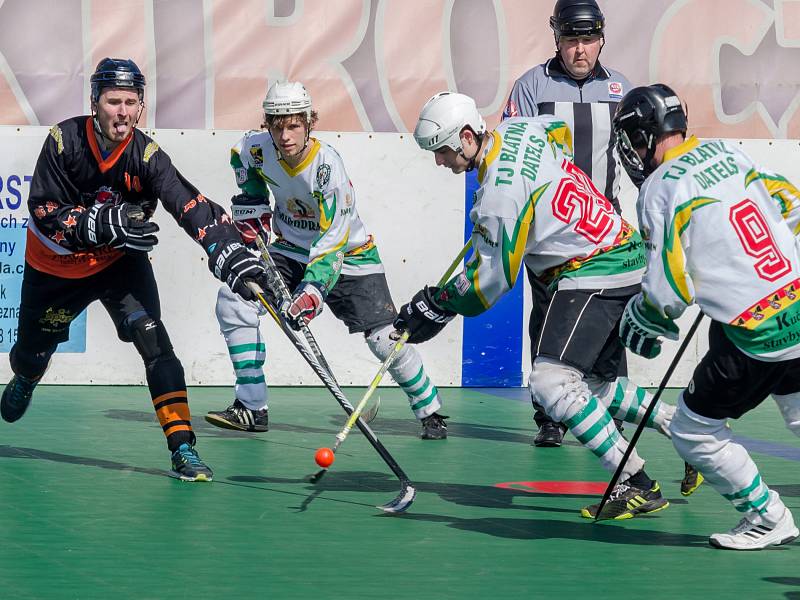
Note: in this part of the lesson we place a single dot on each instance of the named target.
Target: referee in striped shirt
(577, 89)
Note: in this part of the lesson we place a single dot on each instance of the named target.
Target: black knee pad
(150, 338)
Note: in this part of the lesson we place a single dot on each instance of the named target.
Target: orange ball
(324, 457)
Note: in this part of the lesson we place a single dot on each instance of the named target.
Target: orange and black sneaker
(626, 502)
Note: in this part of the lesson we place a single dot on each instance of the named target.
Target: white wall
(414, 209)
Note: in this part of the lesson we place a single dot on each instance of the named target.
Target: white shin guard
(566, 397)
(628, 402)
(789, 406)
(708, 444)
(407, 370)
(238, 322)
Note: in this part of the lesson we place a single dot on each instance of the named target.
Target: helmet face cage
(629, 157)
(644, 115)
(116, 73)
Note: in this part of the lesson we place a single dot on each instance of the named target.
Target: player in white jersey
(322, 250)
(721, 232)
(535, 206)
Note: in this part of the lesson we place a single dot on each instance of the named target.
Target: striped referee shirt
(587, 106)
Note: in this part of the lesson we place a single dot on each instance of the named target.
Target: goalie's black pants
(127, 289)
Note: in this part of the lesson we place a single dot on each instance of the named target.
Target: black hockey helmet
(642, 117)
(577, 17)
(116, 73)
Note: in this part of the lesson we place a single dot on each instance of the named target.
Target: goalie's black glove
(232, 263)
(121, 226)
(422, 317)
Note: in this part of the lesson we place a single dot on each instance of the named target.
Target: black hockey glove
(118, 226)
(422, 317)
(232, 263)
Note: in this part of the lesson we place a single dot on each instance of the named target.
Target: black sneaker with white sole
(238, 416)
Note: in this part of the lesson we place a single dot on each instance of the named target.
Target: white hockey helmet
(442, 119)
(287, 98)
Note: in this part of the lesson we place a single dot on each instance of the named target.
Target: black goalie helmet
(577, 17)
(116, 73)
(642, 117)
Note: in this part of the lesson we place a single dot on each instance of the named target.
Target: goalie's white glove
(641, 328)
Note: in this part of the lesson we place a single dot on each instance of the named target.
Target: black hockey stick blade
(403, 500)
(640, 428)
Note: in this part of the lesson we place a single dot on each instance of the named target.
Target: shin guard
(238, 323)
(566, 398)
(628, 402)
(708, 444)
(408, 371)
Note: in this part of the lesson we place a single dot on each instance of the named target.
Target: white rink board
(414, 209)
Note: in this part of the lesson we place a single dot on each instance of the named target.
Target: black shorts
(727, 383)
(362, 302)
(540, 300)
(580, 329)
(127, 289)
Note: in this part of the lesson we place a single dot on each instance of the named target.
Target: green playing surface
(87, 511)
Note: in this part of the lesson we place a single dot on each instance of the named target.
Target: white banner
(414, 209)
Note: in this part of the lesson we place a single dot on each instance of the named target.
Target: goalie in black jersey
(95, 186)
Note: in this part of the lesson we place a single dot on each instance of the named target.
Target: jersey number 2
(757, 241)
(577, 192)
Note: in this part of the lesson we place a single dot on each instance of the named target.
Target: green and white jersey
(721, 232)
(534, 204)
(314, 216)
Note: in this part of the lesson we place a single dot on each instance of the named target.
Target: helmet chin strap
(472, 161)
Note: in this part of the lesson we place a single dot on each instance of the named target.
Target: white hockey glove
(252, 216)
(306, 303)
(641, 326)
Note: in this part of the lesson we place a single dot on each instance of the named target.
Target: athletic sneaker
(692, 478)
(238, 416)
(16, 397)
(434, 427)
(187, 465)
(627, 501)
(752, 535)
(550, 435)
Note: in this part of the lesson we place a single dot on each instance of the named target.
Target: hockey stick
(340, 437)
(277, 283)
(647, 414)
(407, 491)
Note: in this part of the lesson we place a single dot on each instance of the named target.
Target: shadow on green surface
(547, 529)
(33, 453)
(200, 425)
(385, 426)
